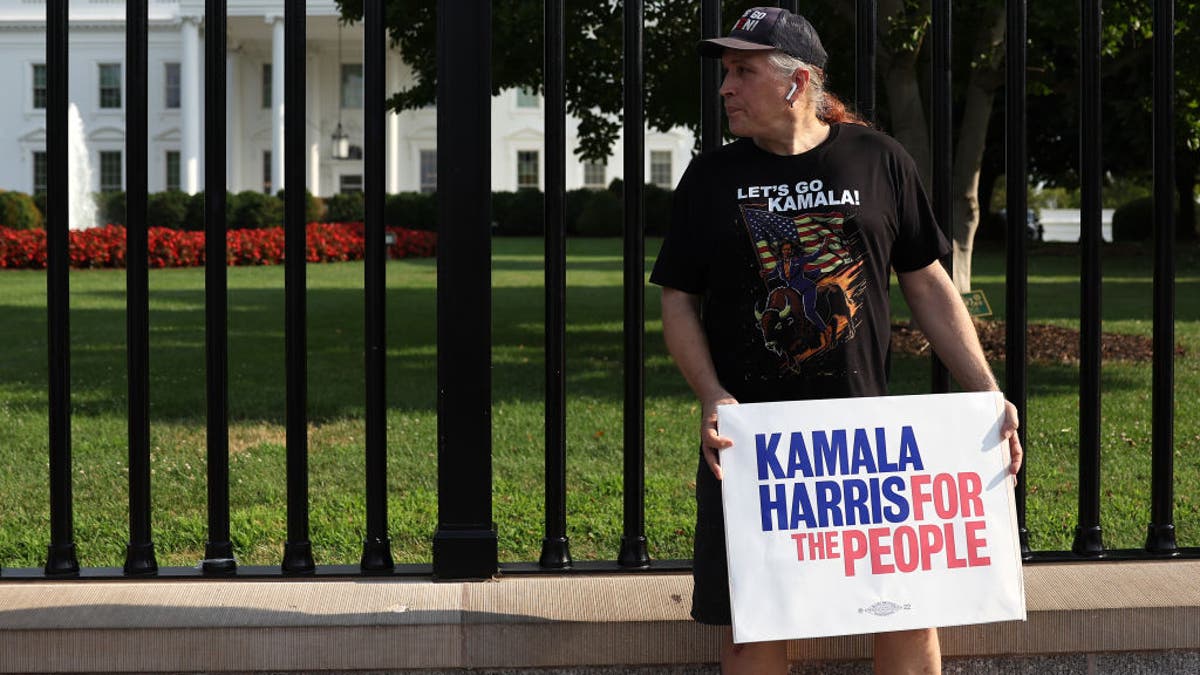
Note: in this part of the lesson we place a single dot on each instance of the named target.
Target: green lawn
(594, 366)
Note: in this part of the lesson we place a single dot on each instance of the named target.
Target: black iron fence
(465, 543)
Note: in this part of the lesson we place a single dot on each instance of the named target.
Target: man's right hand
(710, 440)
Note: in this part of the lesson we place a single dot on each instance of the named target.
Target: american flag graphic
(806, 232)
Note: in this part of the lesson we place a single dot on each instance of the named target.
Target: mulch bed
(1049, 344)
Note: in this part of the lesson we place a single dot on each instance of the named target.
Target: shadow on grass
(257, 377)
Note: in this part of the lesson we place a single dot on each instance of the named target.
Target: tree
(594, 74)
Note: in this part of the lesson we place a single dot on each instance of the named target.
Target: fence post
(297, 551)
(1088, 539)
(556, 552)
(864, 58)
(633, 540)
(377, 554)
(464, 545)
(1016, 286)
(61, 560)
(218, 550)
(943, 120)
(1161, 537)
(139, 554)
(710, 79)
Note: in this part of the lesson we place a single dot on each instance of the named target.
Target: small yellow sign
(977, 303)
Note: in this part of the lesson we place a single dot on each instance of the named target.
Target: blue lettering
(910, 455)
(829, 497)
(881, 451)
(829, 454)
(855, 491)
(876, 502)
(798, 457)
(778, 505)
(766, 456)
(862, 460)
(802, 508)
(893, 489)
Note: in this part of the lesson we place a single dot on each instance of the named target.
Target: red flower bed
(105, 246)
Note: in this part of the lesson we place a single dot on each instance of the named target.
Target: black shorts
(710, 569)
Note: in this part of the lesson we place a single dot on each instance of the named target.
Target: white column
(233, 123)
(276, 102)
(189, 104)
(313, 126)
(393, 125)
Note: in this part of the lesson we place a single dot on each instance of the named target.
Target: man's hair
(829, 108)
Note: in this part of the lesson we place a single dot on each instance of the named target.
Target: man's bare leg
(908, 652)
(752, 658)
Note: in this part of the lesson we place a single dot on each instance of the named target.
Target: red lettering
(907, 551)
(831, 544)
(945, 496)
(976, 541)
(920, 496)
(952, 562)
(970, 486)
(816, 546)
(799, 539)
(879, 549)
(931, 542)
(856, 548)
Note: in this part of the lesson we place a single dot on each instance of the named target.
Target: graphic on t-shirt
(811, 279)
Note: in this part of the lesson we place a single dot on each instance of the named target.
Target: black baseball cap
(767, 28)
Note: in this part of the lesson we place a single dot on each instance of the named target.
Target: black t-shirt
(790, 255)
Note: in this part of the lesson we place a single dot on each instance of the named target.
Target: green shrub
(314, 207)
(1134, 221)
(518, 214)
(346, 207)
(255, 210)
(167, 209)
(39, 200)
(19, 212)
(414, 210)
(194, 220)
(657, 204)
(604, 216)
(576, 202)
(110, 207)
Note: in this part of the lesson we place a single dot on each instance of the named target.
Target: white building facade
(254, 143)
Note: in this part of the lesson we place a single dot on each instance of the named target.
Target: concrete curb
(523, 622)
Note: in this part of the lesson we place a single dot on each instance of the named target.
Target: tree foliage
(594, 73)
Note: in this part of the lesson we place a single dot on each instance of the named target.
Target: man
(803, 169)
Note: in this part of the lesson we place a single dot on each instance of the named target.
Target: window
(39, 86)
(660, 168)
(173, 182)
(41, 172)
(594, 174)
(350, 183)
(171, 86)
(428, 170)
(266, 85)
(110, 171)
(110, 85)
(527, 170)
(352, 85)
(266, 175)
(528, 98)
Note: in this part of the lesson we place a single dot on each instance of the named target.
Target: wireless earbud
(791, 93)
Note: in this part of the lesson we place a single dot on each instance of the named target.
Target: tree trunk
(968, 154)
(909, 124)
(964, 182)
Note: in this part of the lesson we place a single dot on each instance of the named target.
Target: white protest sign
(863, 515)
